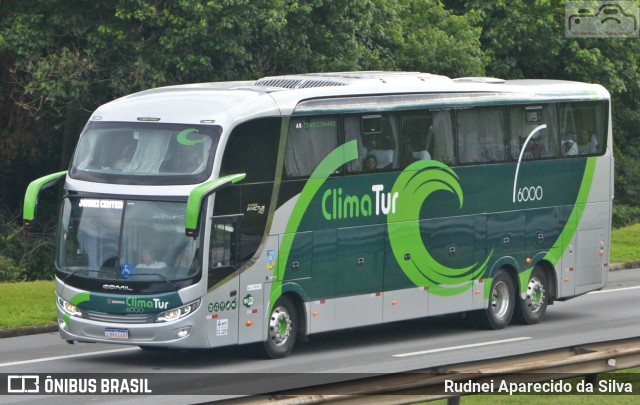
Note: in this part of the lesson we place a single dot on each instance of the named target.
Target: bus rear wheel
(533, 307)
(501, 306)
(281, 329)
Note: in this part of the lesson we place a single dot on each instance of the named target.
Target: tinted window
(252, 148)
(583, 128)
(481, 135)
(541, 144)
(378, 146)
(309, 141)
(427, 135)
(145, 153)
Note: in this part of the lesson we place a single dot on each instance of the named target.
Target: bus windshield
(124, 239)
(145, 153)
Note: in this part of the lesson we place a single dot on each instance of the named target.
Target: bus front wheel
(281, 329)
(501, 306)
(532, 308)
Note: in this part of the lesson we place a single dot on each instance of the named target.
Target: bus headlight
(177, 313)
(69, 308)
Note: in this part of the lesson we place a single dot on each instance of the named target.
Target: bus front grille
(118, 318)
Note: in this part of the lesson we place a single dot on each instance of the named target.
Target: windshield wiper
(161, 277)
(68, 276)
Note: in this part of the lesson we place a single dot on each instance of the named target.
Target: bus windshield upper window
(145, 153)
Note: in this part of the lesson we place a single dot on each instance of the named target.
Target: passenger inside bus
(185, 257)
(410, 154)
(370, 163)
(587, 144)
(536, 148)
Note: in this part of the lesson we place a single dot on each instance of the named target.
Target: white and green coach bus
(217, 214)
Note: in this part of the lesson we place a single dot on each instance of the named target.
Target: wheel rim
(279, 326)
(500, 299)
(535, 294)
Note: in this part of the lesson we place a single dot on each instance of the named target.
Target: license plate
(116, 333)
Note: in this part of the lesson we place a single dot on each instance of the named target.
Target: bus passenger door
(222, 299)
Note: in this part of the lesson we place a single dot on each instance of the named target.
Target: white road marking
(615, 290)
(444, 349)
(69, 356)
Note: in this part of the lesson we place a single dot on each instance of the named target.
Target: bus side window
(583, 128)
(441, 137)
(310, 140)
(377, 137)
(417, 137)
(523, 120)
(481, 135)
(353, 132)
(253, 149)
(223, 247)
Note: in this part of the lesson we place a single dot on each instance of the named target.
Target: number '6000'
(530, 194)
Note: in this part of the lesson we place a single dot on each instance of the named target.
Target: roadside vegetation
(32, 303)
(625, 244)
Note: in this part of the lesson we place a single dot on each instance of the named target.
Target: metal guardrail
(428, 384)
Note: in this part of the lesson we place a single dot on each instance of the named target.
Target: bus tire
(501, 305)
(282, 329)
(533, 307)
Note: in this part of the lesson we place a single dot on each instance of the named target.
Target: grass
(33, 303)
(27, 304)
(625, 244)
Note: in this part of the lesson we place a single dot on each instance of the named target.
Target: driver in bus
(149, 260)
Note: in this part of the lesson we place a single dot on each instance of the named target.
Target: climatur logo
(153, 303)
(335, 205)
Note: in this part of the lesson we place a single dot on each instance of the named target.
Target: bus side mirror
(33, 193)
(198, 195)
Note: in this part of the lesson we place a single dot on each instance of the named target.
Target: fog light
(62, 324)
(183, 332)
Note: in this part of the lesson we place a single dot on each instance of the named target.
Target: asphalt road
(609, 314)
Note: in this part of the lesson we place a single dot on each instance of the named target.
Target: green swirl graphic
(183, 137)
(414, 185)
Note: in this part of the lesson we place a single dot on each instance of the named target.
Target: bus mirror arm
(198, 195)
(33, 193)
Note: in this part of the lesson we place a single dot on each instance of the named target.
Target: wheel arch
(550, 271)
(510, 265)
(296, 294)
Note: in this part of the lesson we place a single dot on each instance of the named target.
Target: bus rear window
(145, 153)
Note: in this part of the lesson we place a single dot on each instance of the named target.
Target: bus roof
(229, 102)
